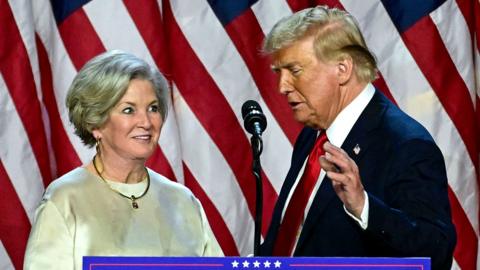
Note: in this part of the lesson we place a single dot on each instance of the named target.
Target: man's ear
(344, 69)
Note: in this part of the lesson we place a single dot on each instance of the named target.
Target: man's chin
(300, 117)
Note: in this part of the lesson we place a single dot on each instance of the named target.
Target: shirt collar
(343, 123)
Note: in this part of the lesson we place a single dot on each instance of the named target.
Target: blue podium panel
(244, 263)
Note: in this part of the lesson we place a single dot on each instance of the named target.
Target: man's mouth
(293, 104)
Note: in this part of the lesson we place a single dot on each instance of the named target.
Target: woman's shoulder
(72, 181)
(163, 183)
(159, 179)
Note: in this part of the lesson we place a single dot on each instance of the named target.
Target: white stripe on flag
(170, 143)
(269, 12)
(17, 152)
(5, 262)
(477, 70)
(454, 32)
(455, 265)
(120, 33)
(212, 172)
(24, 17)
(60, 64)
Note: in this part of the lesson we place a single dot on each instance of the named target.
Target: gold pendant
(134, 203)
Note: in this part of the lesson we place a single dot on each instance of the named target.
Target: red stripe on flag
(477, 23)
(468, 10)
(81, 41)
(17, 72)
(425, 43)
(65, 155)
(148, 20)
(247, 36)
(476, 38)
(467, 241)
(219, 228)
(477, 112)
(477, 118)
(297, 5)
(159, 163)
(14, 224)
(269, 199)
(471, 12)
(190, 76)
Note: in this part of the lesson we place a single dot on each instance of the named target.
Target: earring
(97, 145)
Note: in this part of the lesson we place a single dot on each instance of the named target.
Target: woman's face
(133, 126)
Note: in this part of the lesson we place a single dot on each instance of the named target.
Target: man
(377, 186)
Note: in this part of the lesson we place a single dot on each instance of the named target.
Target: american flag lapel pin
(356, 149)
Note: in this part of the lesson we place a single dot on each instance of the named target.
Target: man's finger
(327, 165)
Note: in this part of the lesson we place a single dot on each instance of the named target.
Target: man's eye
(295, 71)
(128, 110)
(153, 108)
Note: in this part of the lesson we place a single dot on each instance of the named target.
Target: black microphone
(254, 120)
(255, 123)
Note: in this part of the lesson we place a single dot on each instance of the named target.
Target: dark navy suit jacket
(403, 172)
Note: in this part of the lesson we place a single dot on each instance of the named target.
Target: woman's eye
(153, 108)
(128, 110)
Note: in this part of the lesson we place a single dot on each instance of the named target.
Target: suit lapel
(356, 145)
(303, 146)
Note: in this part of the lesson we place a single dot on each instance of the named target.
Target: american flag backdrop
(209, 50)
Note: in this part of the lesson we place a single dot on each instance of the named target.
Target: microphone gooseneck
(255, 123)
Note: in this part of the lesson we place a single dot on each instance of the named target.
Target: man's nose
(285, 83)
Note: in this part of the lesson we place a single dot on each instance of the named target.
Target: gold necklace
(131, 198)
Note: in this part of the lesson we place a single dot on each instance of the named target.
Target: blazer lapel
(356, 145)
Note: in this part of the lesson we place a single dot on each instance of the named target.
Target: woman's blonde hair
(101, 83)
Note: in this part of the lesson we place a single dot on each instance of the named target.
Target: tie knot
(321, 139)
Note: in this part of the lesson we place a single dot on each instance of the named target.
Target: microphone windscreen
(254, 120)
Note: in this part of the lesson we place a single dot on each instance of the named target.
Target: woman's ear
(344, 70)
(96, 134)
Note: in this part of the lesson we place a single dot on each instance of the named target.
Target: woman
(114, 205)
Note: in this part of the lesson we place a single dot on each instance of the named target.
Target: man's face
(310, 85)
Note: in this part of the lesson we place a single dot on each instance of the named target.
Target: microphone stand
(257, 147)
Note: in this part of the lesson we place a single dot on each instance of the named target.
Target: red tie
(287, 233)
